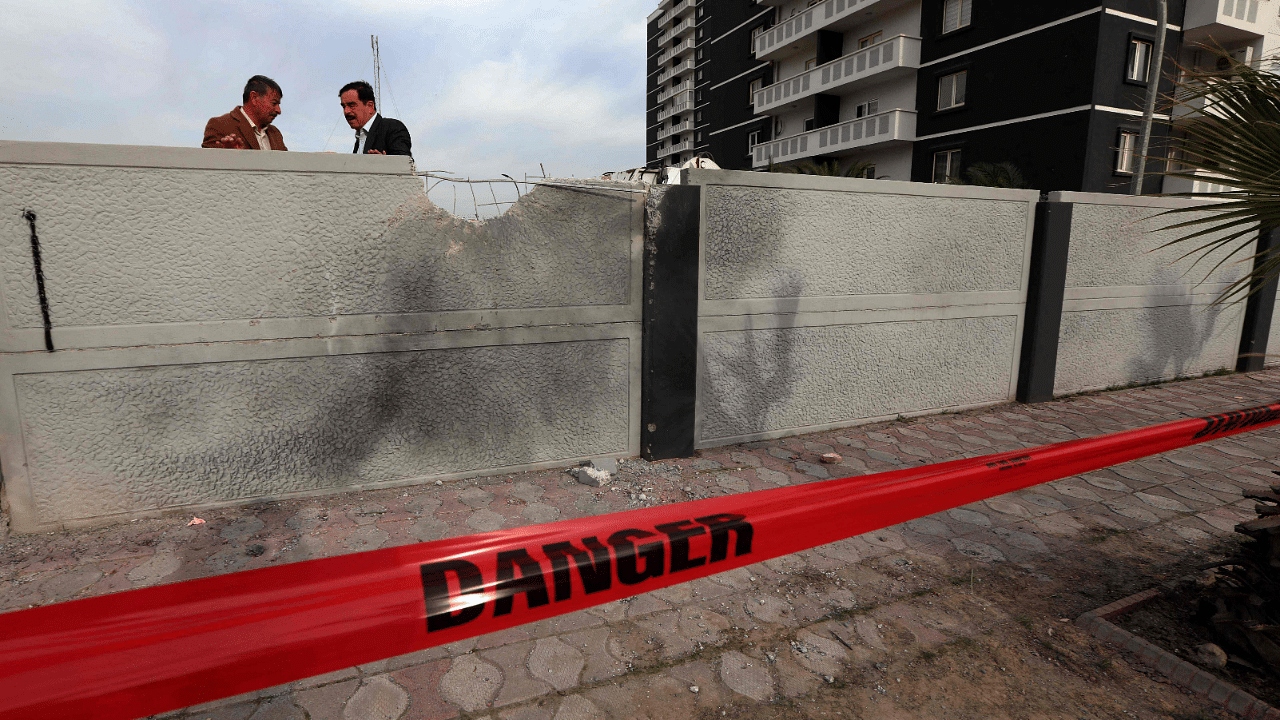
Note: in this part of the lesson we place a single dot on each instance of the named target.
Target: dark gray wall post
(1259, 309)
(1045, 288)
(670, 357)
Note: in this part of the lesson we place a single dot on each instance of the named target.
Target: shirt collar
(365, 128)
(252, 124)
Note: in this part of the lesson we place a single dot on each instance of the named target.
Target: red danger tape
(142, 652)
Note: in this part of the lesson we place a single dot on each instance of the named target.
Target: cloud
(83, 46)
(517, 94)
(486, 86)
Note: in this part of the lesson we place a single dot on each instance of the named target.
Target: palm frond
(997, 175)
(1232, 137)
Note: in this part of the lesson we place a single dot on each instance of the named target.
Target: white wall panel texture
(828, 302)
(1135, 312)
(233, 326)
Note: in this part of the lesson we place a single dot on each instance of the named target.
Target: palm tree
(1234, 136)
(997, 175)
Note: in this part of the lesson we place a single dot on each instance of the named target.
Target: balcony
(683, 45)
(891, 126)
(683, 127)
(671, 92)
(828, 15)
(671, 72)
(1226, 21)
(680, 103)
(896, 56)
(1203, 183)
(675, 149)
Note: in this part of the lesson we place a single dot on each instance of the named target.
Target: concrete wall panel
(828, 302)
(120, 441)
(234, 325)
(1134, 312)
(127, 246)
(766, 242)
(790, 379)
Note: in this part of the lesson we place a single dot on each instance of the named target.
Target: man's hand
(375, 152)
(230, 142)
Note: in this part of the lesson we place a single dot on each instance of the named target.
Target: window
(699, 96)
(946, 166)
(1126, 151)
(870, 107)
(1139, 68)
(755, 87)
(808, 125)
(956, 14)
(869, 172)
(811, 63)
(753, 139)
(699, 74)
(951, 90)
(699, 53)
(699, 136)
(869, 40)
(699, 116)
(701, 11)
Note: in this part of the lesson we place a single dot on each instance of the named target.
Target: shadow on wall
(113, 441)
(743, 383)
(1174, 338)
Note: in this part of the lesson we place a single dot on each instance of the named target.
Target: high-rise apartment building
(922, 89)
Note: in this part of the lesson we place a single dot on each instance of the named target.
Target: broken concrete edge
(596, 472)
(1182, 673)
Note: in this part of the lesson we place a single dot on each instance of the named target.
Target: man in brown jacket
(248, 126)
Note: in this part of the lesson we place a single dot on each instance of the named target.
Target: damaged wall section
(232, 326)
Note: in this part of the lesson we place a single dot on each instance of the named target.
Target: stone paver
(746, 676)
(784, 630)
(377, 699)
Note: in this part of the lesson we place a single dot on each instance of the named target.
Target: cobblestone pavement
(959, 614)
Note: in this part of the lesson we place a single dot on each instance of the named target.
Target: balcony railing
(671, 72)
(848, 135)
(680, 28)
(896, 52)
(676, 90)
(685, 126)
(1226, 21)
(675, 149)
(810, 21)
(675, 50)
(680, 104)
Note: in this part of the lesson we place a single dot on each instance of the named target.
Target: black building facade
(1056, 89)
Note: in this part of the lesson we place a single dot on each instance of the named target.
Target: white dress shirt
(363, 134)
(264, 142)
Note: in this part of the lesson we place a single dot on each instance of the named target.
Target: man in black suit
(375, 135)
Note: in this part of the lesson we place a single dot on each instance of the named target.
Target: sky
(485, 86)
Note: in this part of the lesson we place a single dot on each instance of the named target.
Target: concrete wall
(1133, 312)
(234, 325)
(827, 301)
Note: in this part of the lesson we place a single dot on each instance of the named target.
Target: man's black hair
(260, 84)
(364, 91)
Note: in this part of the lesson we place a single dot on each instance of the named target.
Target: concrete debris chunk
(609, 465)
(593, 477)
(831, 458)
(1210, 655)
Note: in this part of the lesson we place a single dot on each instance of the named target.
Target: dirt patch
(1169, 622)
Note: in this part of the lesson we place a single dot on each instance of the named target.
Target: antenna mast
(377, 72)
